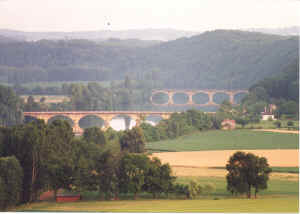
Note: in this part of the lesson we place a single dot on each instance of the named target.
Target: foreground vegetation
(227, 140)
(281, 196)
(289, 204)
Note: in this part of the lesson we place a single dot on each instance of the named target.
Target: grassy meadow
(284, 205)
(226, 140)
(281, 196)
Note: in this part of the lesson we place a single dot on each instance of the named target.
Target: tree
(10, 107)
(246, 170)
(11, 175)
(277, 124)
(85, 164)
(158, 178)
(133, 140)
(242, 121)
(27, 144)
(60, 156)
(95, 135)
(131, 173)
(107, 165)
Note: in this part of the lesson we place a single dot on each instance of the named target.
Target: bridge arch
(61, 117)
(160, 98)
(153, 119)
(28, 118)
(220, 97)
(200, 98)
(91, 120)
(122, 122)
(180, 98)
(239, 96)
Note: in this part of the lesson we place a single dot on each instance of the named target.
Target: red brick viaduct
(190, 93)
(106, 116)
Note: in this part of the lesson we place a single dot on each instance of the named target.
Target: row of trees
(36, 157)
(181, 124)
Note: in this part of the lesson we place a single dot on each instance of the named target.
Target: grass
(281, 196)
(286, 169)
(289, 204)
(265, 124)
(227, 140)
(274, 169)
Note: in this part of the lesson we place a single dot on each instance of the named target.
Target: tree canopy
(246, 170)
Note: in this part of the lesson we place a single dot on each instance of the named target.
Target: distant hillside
(220, 59)
(288, 31)
(216, 59)
(4, 39)
(143, 34)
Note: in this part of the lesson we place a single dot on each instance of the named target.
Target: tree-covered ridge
(218, 59)
(281, 89)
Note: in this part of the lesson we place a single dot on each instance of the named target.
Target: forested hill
(217, 59)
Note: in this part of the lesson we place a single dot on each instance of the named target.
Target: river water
(119, 123)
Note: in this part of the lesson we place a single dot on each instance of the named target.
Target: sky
(189, 15)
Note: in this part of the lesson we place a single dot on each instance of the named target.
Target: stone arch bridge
(190, 93)
(106, 116)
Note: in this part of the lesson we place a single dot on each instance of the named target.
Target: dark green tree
(246, 170)
(59, 163)
(11, 176)
(10, 107)
(27, 144)
(133, 140)
(95, 135)
(158, 178)
(131, 173)
(107, 166)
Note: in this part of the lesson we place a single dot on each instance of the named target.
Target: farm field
(227, 140)
(281, 158)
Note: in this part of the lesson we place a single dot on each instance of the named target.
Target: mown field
(227, 140)
(283, 205)
(281, 196)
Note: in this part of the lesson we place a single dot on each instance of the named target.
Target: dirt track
(283, 158)
(278, 131)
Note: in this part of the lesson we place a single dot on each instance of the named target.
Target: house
(267, 114)
(228, 124)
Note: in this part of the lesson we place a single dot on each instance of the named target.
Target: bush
(277, 124)
(290, 123)
(209, 188)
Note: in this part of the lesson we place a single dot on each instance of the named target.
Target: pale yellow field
(280, 158)
(200, 163)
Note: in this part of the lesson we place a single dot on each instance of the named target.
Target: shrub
(277, 124)
(209, 188)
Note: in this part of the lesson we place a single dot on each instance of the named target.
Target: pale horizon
(118, 15)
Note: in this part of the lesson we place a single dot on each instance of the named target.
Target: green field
(288, 204)
(227, 140)
(281, 196)
(265, 124)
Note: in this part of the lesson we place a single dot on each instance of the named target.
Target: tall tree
(27, 144)
(133, 140)
(60, 156)
(10, 107)
(95, 135)
(11, 175)
(246, 170)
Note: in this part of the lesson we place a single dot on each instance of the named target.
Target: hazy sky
(195, 15)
